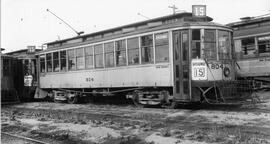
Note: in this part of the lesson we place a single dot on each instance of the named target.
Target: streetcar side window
(264, 44)
(120, 50)
(133, 51)
(196, 43)
(80, 59)
(56, 66)
(109, 54)
(6, 67)
(63, 60)
(248, 46)
(89, 61)
(49, 62)
(162, 47)
(71, 60)
(42, 63)
(147, 49)
(99, 56)
(223, 45)
(210, 44)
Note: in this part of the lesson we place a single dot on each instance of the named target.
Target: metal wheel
(73, 100)
(171, 105)
(135, 100)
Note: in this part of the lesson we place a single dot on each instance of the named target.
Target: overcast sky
(26, 22)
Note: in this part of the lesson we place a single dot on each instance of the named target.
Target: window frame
(40, 63)
(109, 53)
(101, 53)
(228, 45)
(73, 58)
(266, 43)
(247, 46)
(195, 43)
(132, 49)
(65, 58)
(150, 47)
(119, 51)
(213, 42)
(56, 60)
(91, 56)
(81, 57)
(49, 60)
(157, 47)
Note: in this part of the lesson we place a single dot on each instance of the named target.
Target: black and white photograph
(135, 71)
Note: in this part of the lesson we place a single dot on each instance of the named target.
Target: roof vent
(246, 18)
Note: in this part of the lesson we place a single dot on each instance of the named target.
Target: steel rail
(24, 138)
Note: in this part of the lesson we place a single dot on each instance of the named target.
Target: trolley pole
(78, 33)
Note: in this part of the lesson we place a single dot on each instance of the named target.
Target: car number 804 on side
(216, 66)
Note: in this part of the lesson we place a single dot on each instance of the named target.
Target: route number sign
(199, 10)
(199, 69)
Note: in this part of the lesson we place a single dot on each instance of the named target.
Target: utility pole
(78, 33)
(174, 8)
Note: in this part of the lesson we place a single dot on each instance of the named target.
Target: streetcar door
(181, 60)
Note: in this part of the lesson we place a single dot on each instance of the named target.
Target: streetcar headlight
(226, 72)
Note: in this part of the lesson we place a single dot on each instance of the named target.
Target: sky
(26, 22)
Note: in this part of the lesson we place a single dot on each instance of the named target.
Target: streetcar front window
(196, 43)
(210, 44)
(223, 45)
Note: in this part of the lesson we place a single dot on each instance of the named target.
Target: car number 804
(216, 66)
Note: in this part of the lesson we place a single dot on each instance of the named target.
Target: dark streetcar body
(9, 93)
(25, 73)
(164, 61)
(252, 49)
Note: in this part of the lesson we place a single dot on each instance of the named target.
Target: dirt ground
(126, 124)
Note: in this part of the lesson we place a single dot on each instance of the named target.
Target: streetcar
(252, 49)
(179, 58)
(24, 72)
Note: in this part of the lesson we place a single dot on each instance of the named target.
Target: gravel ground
(115, 124)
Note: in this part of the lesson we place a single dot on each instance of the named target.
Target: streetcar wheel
(171, 105)
(136, 102)
(73, 100)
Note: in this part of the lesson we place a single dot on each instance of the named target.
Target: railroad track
(19, 139)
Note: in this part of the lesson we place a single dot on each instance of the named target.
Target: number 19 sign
(199, 10)
(199, 69)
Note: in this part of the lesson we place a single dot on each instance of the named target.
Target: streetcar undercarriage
(220, 93)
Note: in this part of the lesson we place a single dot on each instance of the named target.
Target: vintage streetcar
(252, 49)
(180, 58)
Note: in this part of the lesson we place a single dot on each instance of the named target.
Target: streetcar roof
(249, 21)
(159, 19)
(184, 20)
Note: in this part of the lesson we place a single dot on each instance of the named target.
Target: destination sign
(199, 10)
